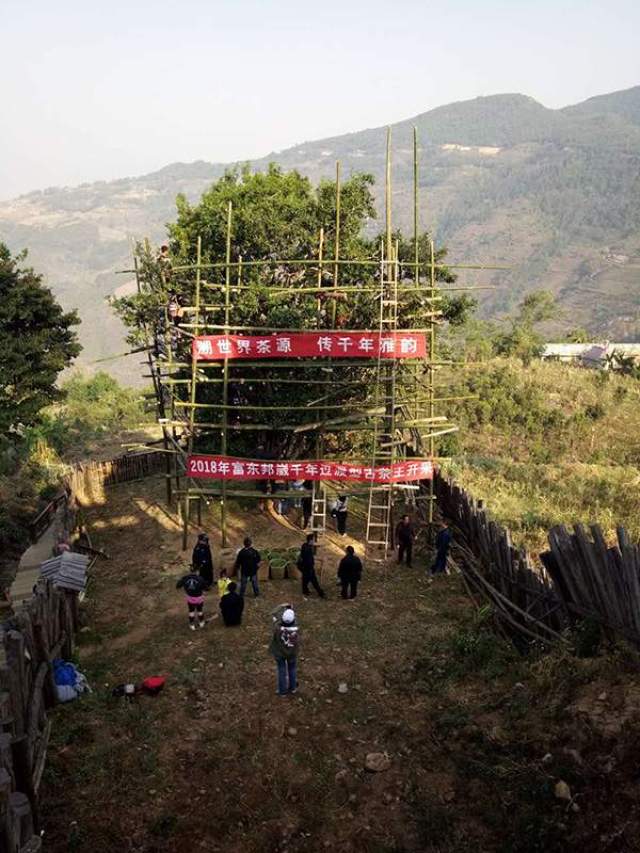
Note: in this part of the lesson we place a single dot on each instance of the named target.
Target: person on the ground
(194, 588)
(307, 566)
(247, 562)
(201, 559)
(443, 543)
(405, 535)
(307, 504)
(224, 583)
(350, 573)
(284, 645)
(339, 512)
(231, 606)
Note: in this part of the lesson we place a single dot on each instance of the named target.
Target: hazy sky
(98, 90)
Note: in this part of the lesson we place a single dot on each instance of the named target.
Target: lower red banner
(234, 468)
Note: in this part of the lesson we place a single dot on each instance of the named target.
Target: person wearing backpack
(247, 561)
(307, 567)
(284, 645)
(194, 586)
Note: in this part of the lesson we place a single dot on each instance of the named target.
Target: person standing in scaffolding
(405, 535)
(164, 263)
(339, 511)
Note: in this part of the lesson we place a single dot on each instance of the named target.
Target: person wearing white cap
(285, 641)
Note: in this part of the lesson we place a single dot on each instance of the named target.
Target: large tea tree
(37, 341)
(278, 216)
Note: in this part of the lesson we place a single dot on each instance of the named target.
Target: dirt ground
(475, 739)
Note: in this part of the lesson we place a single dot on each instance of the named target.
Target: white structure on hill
(590, 355)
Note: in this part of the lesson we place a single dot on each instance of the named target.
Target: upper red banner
(308, 344)
(234, 468)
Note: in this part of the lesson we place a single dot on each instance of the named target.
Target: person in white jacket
(339, 512)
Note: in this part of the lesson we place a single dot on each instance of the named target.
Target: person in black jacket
(231, 606)
(194, 587)
(247, 561)
(201, 559)
(307, 566)
(404, 537)
(350, 572)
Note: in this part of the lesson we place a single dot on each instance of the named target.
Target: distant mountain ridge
(552, 194)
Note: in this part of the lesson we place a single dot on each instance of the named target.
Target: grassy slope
(551, 444)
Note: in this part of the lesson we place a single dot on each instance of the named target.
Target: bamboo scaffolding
(225, 385)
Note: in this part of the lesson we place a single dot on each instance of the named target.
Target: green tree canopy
(279, 215)
(37, 341)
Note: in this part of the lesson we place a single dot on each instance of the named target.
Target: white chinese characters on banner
(311, 344)
(232, 468)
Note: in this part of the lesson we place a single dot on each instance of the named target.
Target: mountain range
(552, 196)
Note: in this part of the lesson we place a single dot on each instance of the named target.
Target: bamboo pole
(225, 384)
(192, 397)
(432, 350)
(416, 252)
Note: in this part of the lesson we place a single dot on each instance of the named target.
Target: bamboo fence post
(225, 378)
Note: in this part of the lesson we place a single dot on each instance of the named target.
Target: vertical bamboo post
(192, 397)
(320, 270)
(416, 254)
(225, 375)
(432, 356)
(387, 199)
(336, 265)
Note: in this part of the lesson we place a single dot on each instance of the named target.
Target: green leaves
(37, 341)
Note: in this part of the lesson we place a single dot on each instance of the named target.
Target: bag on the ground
(70, 683)
(153, 684)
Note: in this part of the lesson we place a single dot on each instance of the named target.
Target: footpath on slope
(472, 739)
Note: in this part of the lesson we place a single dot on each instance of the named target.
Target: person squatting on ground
(339, 512)
(307, 566)
(231, 606)
(223, 583)
(405, 535)
(247, 561)
(194, 587)
(201, 559)
(284, 645)
(443, 542)
(350, 572)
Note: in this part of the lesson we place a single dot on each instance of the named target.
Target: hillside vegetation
(549, 444)
(553, 195)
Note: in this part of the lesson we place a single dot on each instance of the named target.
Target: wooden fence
(41, 631)
(578, 577)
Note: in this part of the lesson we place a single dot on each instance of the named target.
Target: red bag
(153, 684)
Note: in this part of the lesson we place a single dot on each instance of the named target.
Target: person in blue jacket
(443, 543)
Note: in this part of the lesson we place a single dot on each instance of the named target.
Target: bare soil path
(218, 762)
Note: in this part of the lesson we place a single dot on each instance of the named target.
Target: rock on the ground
(376, 762)
(562, 791)
(342, 687)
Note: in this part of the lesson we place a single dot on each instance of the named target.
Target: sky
(102, 90)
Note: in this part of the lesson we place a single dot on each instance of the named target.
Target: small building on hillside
(597, 355)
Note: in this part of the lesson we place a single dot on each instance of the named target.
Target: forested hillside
(554, 195)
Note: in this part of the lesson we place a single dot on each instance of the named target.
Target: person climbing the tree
(350, 573)
(164, 263)
(339, 512)
(201, 559)
(194, 588)
(231, 606)
(284, 645)
(247, 562)
(405, 535)
(443, 542)
(306, 564)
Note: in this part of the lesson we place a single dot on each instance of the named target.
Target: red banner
(234, 468)
(309, 344)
